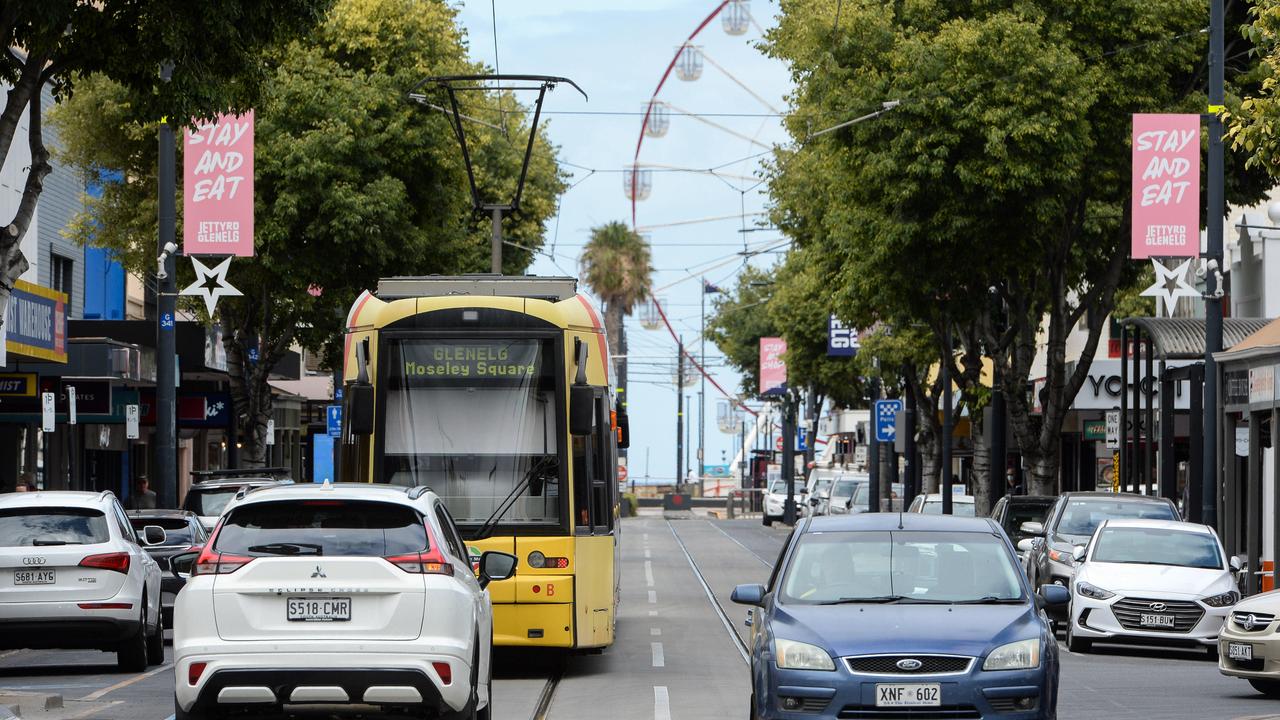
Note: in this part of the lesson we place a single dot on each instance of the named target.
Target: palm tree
(616, 266)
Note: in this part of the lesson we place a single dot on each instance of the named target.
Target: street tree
(54, 44)
(617, 264)
(992, 202)
(352, 183)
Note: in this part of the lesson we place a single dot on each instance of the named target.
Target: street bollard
(729, 509)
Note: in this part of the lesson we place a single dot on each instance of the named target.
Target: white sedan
(1150, 581)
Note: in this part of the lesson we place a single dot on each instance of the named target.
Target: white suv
(332, 594)
(73, 574)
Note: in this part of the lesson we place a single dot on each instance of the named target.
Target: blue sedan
(895, 615)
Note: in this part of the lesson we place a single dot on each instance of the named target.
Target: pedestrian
(26, 483)
(1012, 487)
(144, 498)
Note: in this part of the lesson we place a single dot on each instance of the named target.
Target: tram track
(767, 563)
(543, 707)
(738, 643)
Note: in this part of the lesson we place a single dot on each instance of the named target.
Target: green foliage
(1253, 122)
(617, 265)
(737, 320)
(1129, 303)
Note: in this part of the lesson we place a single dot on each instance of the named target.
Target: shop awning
(1183, 338)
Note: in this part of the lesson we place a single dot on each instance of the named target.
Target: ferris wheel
(704, 59)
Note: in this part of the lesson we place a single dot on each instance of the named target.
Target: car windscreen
(844, 488)
(177, 531)
(37, 526)
(821, 485)
(322, 527)
(209, 502)
(900, 566)
(1083, 516)
(1023, 512)
(959, 509)
(1157, 546)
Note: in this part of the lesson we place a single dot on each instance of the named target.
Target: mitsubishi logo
(1158, 607)
(318, 573)
(909, 664)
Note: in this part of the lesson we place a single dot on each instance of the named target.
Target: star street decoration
(211, 284)
(1170, 284)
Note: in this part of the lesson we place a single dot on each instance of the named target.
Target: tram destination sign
(425, 363)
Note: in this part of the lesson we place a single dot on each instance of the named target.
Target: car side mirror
(1235, 563)
(582, 409)
(1032, 528)
(1078, 552)
(1024, 545)
(1055, 595)
(180, 564)
(752, 594)
(496, 566)
(153, 535)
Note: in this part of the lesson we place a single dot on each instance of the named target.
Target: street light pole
(946, 417)
(679, 412)
(702, 391)
(1214, 214)
(166, 470)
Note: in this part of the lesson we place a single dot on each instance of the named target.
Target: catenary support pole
(947, 432)
(679, 412)
(495, 243)
(873, 451)
(166, 441)
(1213, 305)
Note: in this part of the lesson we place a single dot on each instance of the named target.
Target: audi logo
(909, 664)
(33, 561)
(1158, 607)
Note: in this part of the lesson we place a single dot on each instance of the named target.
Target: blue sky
(617, 51)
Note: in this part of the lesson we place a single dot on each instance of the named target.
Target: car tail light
(444, 671)
(215, 563)
(105, 606)
(429, 563)
(194, 671)
(118, 561)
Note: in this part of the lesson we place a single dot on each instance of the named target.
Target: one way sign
(886, 414)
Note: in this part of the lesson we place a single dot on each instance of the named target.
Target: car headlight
(792, 655)
(1093, 591)
(1225, 599)
(1062, 556)
(1021, 655)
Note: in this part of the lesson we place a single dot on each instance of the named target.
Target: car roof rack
(242, 472)
(416, 491)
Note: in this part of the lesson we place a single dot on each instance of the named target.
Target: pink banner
(217, 187)
(773, 371)
(1166, 186)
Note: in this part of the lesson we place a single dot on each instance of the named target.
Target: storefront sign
(1095, 429)
(842, 341)
(1101, 389)
(36, 323)
(1235, 388)
(1262, 385)
(1166, 186)
(217, 173)
(773, 371)
(18, 384)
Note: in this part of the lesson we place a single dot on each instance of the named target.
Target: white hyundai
(336, 594)
(74, 574)
(1150, 581)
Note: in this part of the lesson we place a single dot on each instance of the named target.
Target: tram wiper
(491, 523)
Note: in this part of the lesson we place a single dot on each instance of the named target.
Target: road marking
(661, 703)
(127, 683)
(738, 644)
(655, 631)
(89, 711)
(646, 554)
(653, 613)
(655, 649)
(653, 597)
(648, 573)
(171, 717)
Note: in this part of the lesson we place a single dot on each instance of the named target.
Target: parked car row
(335, 594)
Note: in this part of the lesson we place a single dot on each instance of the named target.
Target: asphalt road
(675, 657)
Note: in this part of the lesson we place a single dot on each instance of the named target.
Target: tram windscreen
(475, 419)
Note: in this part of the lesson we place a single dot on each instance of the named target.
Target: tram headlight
(537, 559)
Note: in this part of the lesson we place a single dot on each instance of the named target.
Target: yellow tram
(494, 391)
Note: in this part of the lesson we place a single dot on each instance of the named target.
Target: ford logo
(1158, 607)
(909, 664)
(33, 561)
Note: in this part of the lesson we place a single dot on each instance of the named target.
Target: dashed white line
(655, 631)
(661, 703)
(646, 553)
(648, 573)
(655, 649)
(653, 597)
(127, 683)
(653, 613)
